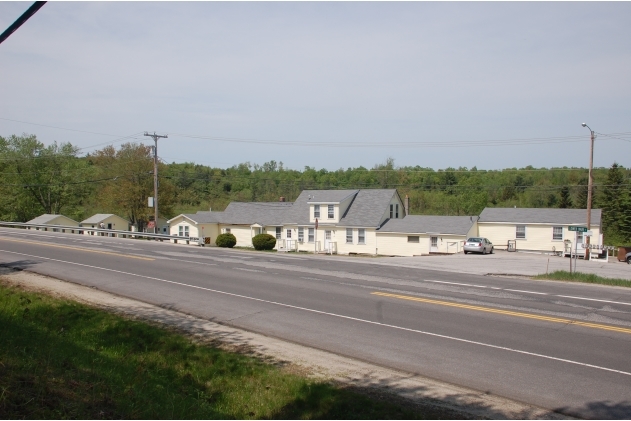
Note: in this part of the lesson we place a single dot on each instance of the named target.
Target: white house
(537, 229)
(417, 235)
(200, 224)
(49, 219)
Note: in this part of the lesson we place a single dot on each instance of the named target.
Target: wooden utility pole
(590, 183)
(155, 177)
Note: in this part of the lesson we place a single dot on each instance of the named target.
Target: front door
(433, 246)
(327, 239)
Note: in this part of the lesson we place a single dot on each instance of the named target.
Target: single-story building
(537, 229)
(105, 220)
(200, 224)
(51, 219)
(418, 235)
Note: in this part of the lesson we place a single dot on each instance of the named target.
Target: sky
(326, 85)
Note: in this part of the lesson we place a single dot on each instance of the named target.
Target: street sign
(578, 229)
(589, 233)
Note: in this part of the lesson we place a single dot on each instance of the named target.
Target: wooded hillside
(38, 179)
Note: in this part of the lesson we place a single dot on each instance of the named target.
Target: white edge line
(594, 299)
(339, 316)
(527, 292)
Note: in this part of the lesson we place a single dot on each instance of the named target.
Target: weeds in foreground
(562, 275)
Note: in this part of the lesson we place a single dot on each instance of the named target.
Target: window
(311, 238)
(316, 211)
(413, 238)
(361, 236)
(289, 234)
(278, 233)
(520, 232)
(579, 238)
(396, 207)
(557, 233)
(183, 231)
(331, 214)
(226, 230)
(301, 234)
(349, 236)
(391, 210)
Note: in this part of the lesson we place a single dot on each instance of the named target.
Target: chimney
(407, 204)
(282, 199)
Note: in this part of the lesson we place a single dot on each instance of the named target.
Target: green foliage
(264, 242)
(226, 240)
(566, 201)
(63, 360)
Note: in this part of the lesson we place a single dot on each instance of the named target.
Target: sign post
(315, 238)
(576, 230)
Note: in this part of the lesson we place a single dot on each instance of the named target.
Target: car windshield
(474, 240)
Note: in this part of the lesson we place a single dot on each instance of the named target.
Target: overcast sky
(342, 73)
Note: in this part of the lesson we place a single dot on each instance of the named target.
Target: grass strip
(589, 278)
(61, 359)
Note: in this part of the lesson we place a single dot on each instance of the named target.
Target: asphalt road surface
(563, 347)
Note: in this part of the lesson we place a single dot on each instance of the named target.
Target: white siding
(396, 244)
(538, 236)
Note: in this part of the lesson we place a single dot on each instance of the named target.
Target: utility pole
(590, 183)
(155, 177)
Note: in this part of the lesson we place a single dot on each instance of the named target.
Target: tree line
(40, 179)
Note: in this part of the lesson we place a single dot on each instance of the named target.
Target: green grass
(562, 275)
(62, 359)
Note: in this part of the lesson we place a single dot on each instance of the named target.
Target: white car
(478, 245)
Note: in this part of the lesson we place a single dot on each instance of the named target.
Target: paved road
(559, 346)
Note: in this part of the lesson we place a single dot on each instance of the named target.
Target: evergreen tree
(581, 196)
(612, 201)
(566, 200)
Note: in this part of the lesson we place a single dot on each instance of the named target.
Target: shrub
(264, 242)
(226, 240)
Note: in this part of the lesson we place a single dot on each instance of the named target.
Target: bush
(226, 240)
(264, 242)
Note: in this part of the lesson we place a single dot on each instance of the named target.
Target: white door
(327, 239)
(433, 246)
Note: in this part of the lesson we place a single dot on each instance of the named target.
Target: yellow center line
(505, 312)
(77, 248)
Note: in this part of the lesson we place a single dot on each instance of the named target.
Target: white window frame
(288, 233)
(391, 210)
(349, 231)
(331, 212)
(279, 233)
(396, 208)
(316, 211)
(579, 237)
(311, 235)
(517, 232)
(414, 238)
(226, 230)
(361, 236)
(301, 235)
(557, 233)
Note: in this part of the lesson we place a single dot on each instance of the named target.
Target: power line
(21, 20)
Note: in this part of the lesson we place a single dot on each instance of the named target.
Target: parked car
(478, 245)
(628, 258)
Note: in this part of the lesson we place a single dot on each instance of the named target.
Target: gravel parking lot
(505, 263)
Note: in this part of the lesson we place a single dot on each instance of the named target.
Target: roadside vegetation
(59, 179)
(589, 278)
(60, 359)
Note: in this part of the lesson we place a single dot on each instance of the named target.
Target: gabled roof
(430, 224)
(248, 213)
(201, 217)
(368, 208)
(95, 219)
(47, 218)
(540, 216)
(299, 213)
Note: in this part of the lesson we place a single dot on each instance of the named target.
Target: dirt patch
(407, 389)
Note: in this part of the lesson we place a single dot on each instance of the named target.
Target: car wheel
(483, 251)
(629, 260)
(465, 252)
(492, 250)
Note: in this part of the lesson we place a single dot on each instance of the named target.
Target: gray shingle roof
(248, 213)
(46, 219)
(95, 219)
(430, 224)
(299, 213)
(203, 217)
(540, 216)
(368, 208)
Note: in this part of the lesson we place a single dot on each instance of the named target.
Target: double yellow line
(76, 248)
(505, 312)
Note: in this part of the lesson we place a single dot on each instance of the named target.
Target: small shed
(105, 220)
(51, 219)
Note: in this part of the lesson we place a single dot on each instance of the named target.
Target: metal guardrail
(82, 230)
